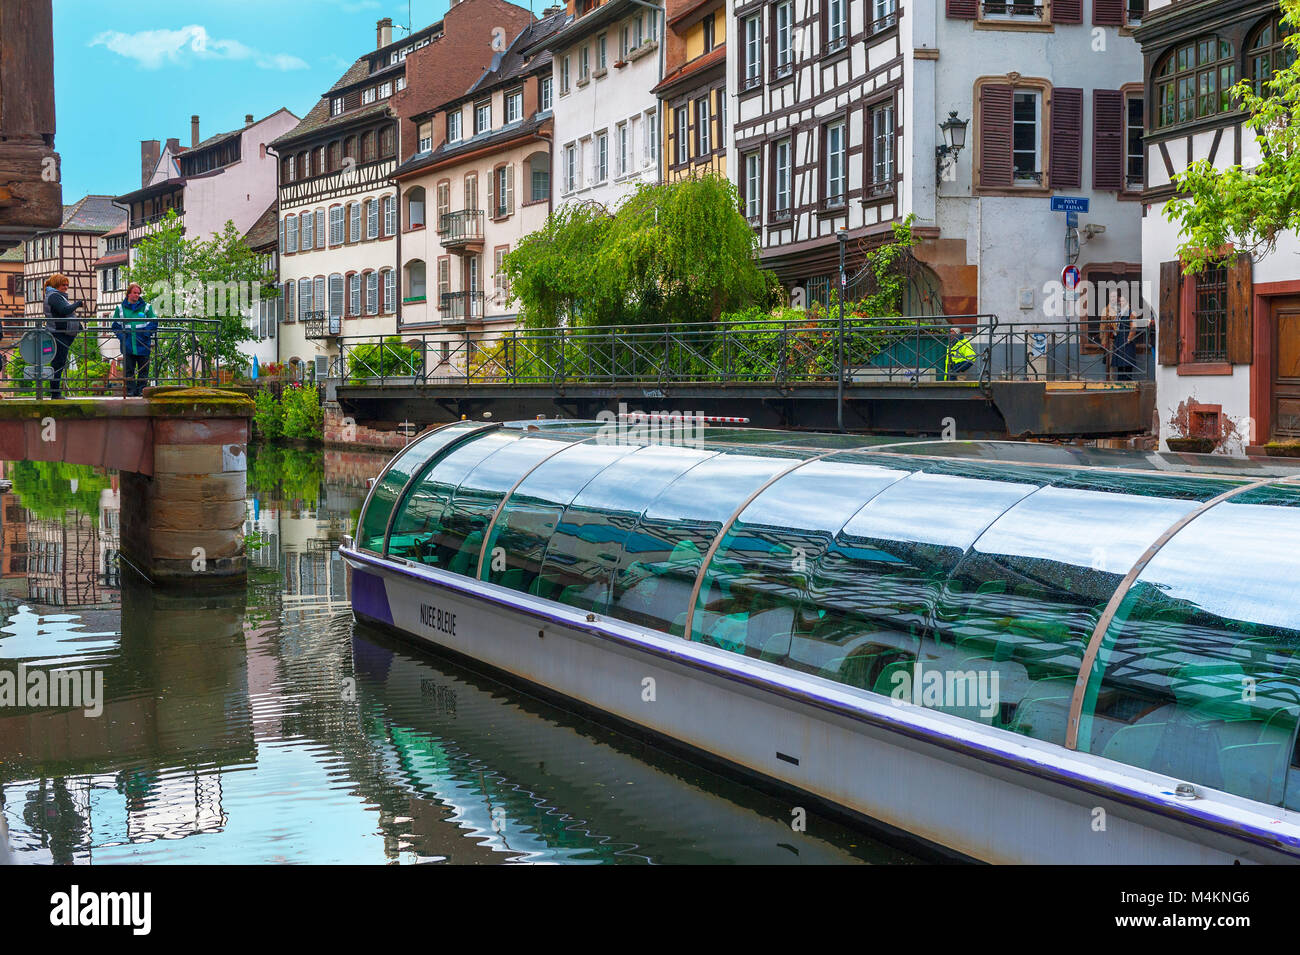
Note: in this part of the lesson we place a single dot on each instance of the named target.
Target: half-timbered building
(693, 92)
(608, 58)
(837, 126)
(1228, 337)
(479, 182)
(337, 204)
(110, 269)
(267, 311)
(12, 290)
(70, 250)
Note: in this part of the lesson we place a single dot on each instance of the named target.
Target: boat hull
(980, 792)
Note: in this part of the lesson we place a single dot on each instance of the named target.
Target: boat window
(662, 556)
(753, 589)
(589, 539)
(1198, 675)
(531, 515)
(1013, 620)
(374, 522)
(419, 519)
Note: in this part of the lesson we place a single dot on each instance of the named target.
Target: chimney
(150, 153)
(174, 146)
(248, 119)
(194, 131)
(384, 32)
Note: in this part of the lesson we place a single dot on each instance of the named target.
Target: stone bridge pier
(183, 458)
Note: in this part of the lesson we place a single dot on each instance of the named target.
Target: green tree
(1249, 208)
(215, 278)
(49, 489)
(672, 252)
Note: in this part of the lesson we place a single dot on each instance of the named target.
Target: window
(304, 299)
(318, 300)
(401, 83)
(320, 228)
(600, 51)
(564, 75)
(836, 161)
(424, 135)
(753, 185)
(291, 233)
(336, 298)
(751, 68)
(291, 169)
(287, 292)
(390, 214)
(334, 155)
(500, 280)
(368, 96)
(474, 275)
(444, 199)
(471, 191)
(372, 219)
(444, 278)
(453, 126)
(882, 147)
(372, 293)
(482, 117)
(336, 225)
(390, 289)
(1134, 153)
(514, 106)
(702, 145)
(541, 181)
(620, 141)
(782, 185)
(544, 94)
(602, 157)
(354, 294)
(415, 207)
(570, 168)
(722, 118)
(783, 38)
(385, 90)
(1013, 9)
(584, 66)
(837, 25)
(1193, 81)
(706, 28)
(304, 160)
(1025, 143)
(387, 141)
(1212, 314)
(624, 42)
(306, 231)
(354, 222)
(651, 136)
(336, 106)
(504, 187)
(682, 150)
(884, 14)
(1266, 53)
(368, 147)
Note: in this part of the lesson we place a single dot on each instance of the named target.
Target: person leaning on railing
(959, 357)
(59, 322)
(134, 324)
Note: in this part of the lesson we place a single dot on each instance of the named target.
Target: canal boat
(1014, 652)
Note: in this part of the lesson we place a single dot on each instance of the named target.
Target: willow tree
(1249, 207)
(671, 252)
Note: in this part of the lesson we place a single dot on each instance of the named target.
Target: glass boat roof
(1138, 606)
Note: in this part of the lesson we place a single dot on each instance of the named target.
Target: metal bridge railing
(185, 352)
(902, 350)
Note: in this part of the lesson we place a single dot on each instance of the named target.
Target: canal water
(266, 726)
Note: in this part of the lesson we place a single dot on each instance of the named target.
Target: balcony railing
(321, 325)
(460, 307)
(1030, 9)
(457, 228)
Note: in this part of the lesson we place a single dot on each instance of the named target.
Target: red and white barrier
(664, 416)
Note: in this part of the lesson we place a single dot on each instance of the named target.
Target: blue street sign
(1071, 220)
(1069, 204)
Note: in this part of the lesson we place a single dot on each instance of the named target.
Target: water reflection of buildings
(68, 562)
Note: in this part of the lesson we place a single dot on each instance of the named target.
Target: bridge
(181, 448)
(862, 374)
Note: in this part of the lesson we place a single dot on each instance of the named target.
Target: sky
(138, 69)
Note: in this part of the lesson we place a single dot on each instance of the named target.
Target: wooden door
(1285, 385)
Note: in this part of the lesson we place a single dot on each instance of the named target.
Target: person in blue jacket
(134, 324)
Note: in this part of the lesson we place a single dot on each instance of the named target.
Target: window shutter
(390, 291)
(995, 136)
(1067, 11)
(336, 300)
(1167, 327)
(354, 294)
(1240, 311)
(320, 228)
(1066, 162)
(1107, 13)
(491, 204)
(319, 303)
(963, 9)
(354, 227)
(372, 218)
(510, 190)
(1107, 139)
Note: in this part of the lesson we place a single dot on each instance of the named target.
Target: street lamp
(954, 140)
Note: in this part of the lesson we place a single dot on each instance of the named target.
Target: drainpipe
(279, 255)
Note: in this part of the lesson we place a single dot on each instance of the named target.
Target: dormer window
(336, 106)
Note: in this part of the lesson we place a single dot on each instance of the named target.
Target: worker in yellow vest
(959, 357)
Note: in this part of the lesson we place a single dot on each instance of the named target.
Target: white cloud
(154, 48)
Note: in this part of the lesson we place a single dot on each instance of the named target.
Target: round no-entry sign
(1070, 276)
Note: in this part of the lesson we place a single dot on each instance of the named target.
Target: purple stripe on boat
(369, 598)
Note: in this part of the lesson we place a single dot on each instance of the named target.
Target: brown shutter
(1067, 11)
(1108, 13)
(1240, 311)
(963, 9)
(1066, 162)
(1167, 327)
(1107, 139)
(995, 136)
